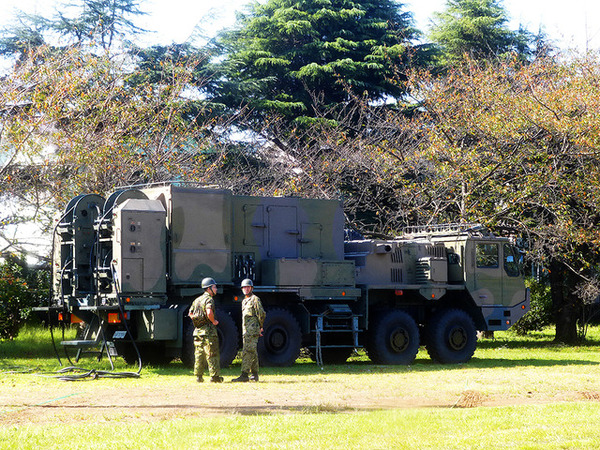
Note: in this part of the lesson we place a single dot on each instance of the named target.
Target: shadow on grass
(303, 368)
(34, 352)
(533, 344)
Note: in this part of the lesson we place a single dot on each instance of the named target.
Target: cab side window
(511, 266)
(486, 255)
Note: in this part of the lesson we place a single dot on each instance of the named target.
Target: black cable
(67, 212)
(87, 373)
(93, 374)
(122, 311)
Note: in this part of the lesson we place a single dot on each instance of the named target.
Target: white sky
(572, 24)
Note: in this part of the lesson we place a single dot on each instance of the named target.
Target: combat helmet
(208, 282)
(247, 282)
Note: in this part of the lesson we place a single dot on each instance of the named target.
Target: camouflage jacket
(200, 315)
(253, 315)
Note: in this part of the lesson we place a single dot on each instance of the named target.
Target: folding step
(80, 343)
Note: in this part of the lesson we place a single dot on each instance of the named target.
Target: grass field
(517, 392)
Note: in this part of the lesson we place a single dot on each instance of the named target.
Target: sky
(571, 24)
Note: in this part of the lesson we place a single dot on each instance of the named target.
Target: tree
(477, 29)
(21, 288)
(97, 23)
(516, 148)
(508, 145)
(76, 124)
(284, 54)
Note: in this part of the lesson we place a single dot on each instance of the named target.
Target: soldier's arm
(211, 316)
(260, 313)
(192, 310)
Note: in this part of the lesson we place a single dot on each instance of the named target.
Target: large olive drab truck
(129, 266)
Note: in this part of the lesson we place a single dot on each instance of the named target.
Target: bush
(21, 288)
(540, 315)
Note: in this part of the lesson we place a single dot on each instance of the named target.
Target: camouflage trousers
(250, 354)
(207, 353)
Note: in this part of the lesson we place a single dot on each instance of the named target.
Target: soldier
(206, 340)
(253, 318)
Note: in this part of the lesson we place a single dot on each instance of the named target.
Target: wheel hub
(457, 338)
(399, 340)
(277, 340)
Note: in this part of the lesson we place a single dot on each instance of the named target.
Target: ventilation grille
(437, 251)
(423, 271)
(397, 255)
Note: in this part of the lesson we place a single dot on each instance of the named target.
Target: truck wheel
(188, 351)
(393, 338)
(280, 344)
(228, 339)
(451, 337)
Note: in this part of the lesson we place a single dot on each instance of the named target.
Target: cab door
(513, 286)
(487, 276)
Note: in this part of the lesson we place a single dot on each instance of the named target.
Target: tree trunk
(564, 304)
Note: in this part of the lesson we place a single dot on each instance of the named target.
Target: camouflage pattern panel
(307, 272)
(139, 246)
(268, 228)
(288, 227)
(74, 244)
(398, 262)
(321, 229)
(200, 227)
(157, 325)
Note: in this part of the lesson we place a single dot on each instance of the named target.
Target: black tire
(282, 337)
(228, 339)
(451, 337)
(393, 338)
(188, 351)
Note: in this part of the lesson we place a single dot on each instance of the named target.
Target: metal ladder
(342, 314)
(83, 346)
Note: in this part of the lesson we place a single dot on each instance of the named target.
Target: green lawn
(534, 394)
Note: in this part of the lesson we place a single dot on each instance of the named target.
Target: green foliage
(514, 146)
(477, 29)
(135, 121)
(283, 54)
(21, 288)
(95, 23)
(540, 315)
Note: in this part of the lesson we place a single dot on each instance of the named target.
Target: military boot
(216, 379)
(242, 377)
(254, 376)
(199, 379)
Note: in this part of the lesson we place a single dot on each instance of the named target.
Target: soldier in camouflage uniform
(253, 318)
(206, 340)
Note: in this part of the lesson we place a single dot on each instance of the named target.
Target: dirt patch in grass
(182, 397)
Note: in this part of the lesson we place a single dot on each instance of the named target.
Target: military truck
(128, 267)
